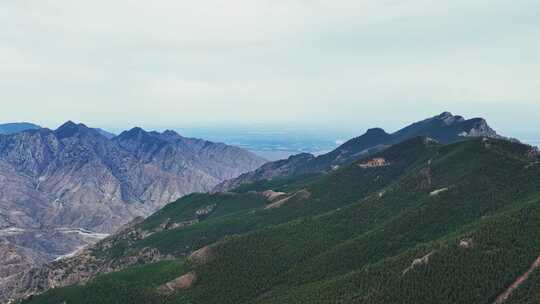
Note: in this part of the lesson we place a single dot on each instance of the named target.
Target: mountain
(107, 134)
(418, 222)
(11, 128)
(63, 189)
(16, 127)
(445, 128)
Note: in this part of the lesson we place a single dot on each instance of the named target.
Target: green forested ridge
(354, 239)
(133, 285)
(237, 213)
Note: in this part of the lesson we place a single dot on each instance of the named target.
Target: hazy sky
(343, 64)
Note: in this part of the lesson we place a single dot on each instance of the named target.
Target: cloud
(125, 62)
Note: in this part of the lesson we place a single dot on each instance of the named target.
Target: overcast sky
(344, 64)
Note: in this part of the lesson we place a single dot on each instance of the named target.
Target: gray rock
(61, 190)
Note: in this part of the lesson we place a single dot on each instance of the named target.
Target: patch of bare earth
(183, 282)
(272, 195)
(278, 203)
(520, 280)
(302, 194)
(466, 243)
(201, 256)
(417, 262)
(438, 191)
(374, 163)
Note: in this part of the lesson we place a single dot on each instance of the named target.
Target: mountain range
(445, 128)
(16, 127)
(376, 221)
(63, 189)
(419, 222)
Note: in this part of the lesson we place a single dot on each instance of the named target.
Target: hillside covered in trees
(419, 222)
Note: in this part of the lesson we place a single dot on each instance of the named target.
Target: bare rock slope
(62, 189)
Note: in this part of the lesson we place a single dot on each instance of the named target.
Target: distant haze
(336, 66)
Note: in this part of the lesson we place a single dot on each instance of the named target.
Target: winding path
(522, 278)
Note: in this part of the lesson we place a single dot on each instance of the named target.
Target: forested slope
(417, 223)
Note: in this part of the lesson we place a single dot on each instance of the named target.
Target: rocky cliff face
(63, 189)
(79, 268)
(445, 128)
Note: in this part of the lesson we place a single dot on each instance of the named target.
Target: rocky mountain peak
(171, 133)
(376, 132)
(444, 115)
(479, 127)
(69, 125)
(143, 143)
(449, 119)
(69, 129)
(136, 134)
(372, 137)
(301, 156)
(133, 132)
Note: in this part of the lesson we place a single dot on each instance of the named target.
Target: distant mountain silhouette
(16, 127)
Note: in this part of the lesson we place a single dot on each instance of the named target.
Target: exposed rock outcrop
(205, 211)
(272, 195)
(418, 262)
(466, 243)
(201, 256)
(374, 163)
(61, 190)
(183, 282)
(438, 191)
(302, 194)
